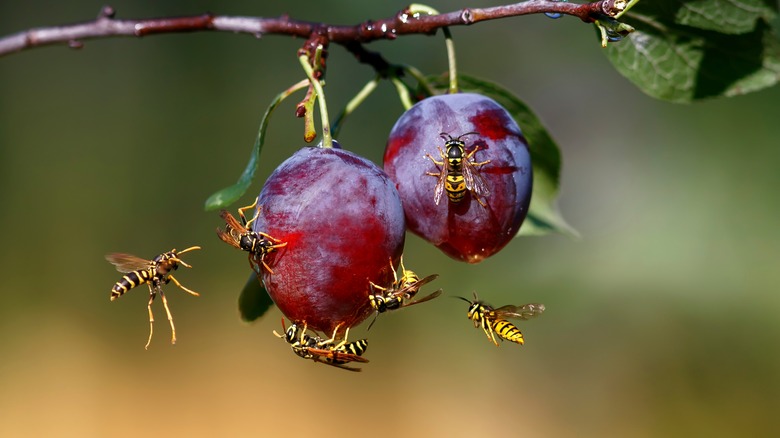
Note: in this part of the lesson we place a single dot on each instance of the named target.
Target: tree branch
(403, 23)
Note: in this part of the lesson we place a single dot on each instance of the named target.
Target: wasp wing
(441, 178)
(231, 221)
(526, 311)
(439, 189)
(128, 262)
(337, 365)
(423, 299)
(411, 289)
(336, 356)
(474, 180)
(229, 236)
(233, 228)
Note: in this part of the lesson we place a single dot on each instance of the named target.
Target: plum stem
(403, 92)
(327, 139)
(417, 9)
(305, 108)
(451, 58)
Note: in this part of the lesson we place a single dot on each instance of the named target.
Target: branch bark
(403, 23)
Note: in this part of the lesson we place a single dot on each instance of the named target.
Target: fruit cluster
(329, 226)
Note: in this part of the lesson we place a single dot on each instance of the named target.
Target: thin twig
(403, 23)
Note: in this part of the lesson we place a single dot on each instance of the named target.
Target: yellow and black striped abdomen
(357, 348)
(455, 185)
(508, 331)
(129, 281)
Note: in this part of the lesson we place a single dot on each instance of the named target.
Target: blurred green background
(661, 320)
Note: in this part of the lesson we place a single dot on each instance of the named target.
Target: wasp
(240, 235)
(401, 292)
(494, 323)
(458, 172)
(324, 351)
(155, 273)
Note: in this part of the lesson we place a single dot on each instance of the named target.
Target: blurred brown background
(661, 320)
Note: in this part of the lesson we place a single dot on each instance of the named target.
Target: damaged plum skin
(343, 222)
(465, 231)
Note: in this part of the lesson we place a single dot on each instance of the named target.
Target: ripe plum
(342, 220)
(467, 230)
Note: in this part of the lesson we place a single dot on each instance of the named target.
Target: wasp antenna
(464, 299)
(192, 248)
(372, 321)
(468, 133)
(443, 134)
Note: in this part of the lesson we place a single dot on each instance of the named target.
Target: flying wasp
(401, 292)
(324, 351)
(155, 273)
(458, 172)
(494, 323)
(240, 235)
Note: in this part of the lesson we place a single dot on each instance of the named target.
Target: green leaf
(729, 17)
(254, 301)
(687, 50)
(543, 214)
(228, 195)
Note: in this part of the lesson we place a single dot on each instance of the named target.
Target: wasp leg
(253, 265)
(270, 248)
(170, 317)
(176, 282)
(439, 164)
(376, 286)
(152, 294)
(487, 327)
(343, 341)
(333, 338)
(492, 334)
(243, 217)
(272, 239)
(403, 269)
(476, 163)
(270, 271)
(303, 332)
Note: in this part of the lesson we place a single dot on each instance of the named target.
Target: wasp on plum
(324, 351)
(458, 171)
(494, 321)
(154, 273)
(401, 292)
(240, 235)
